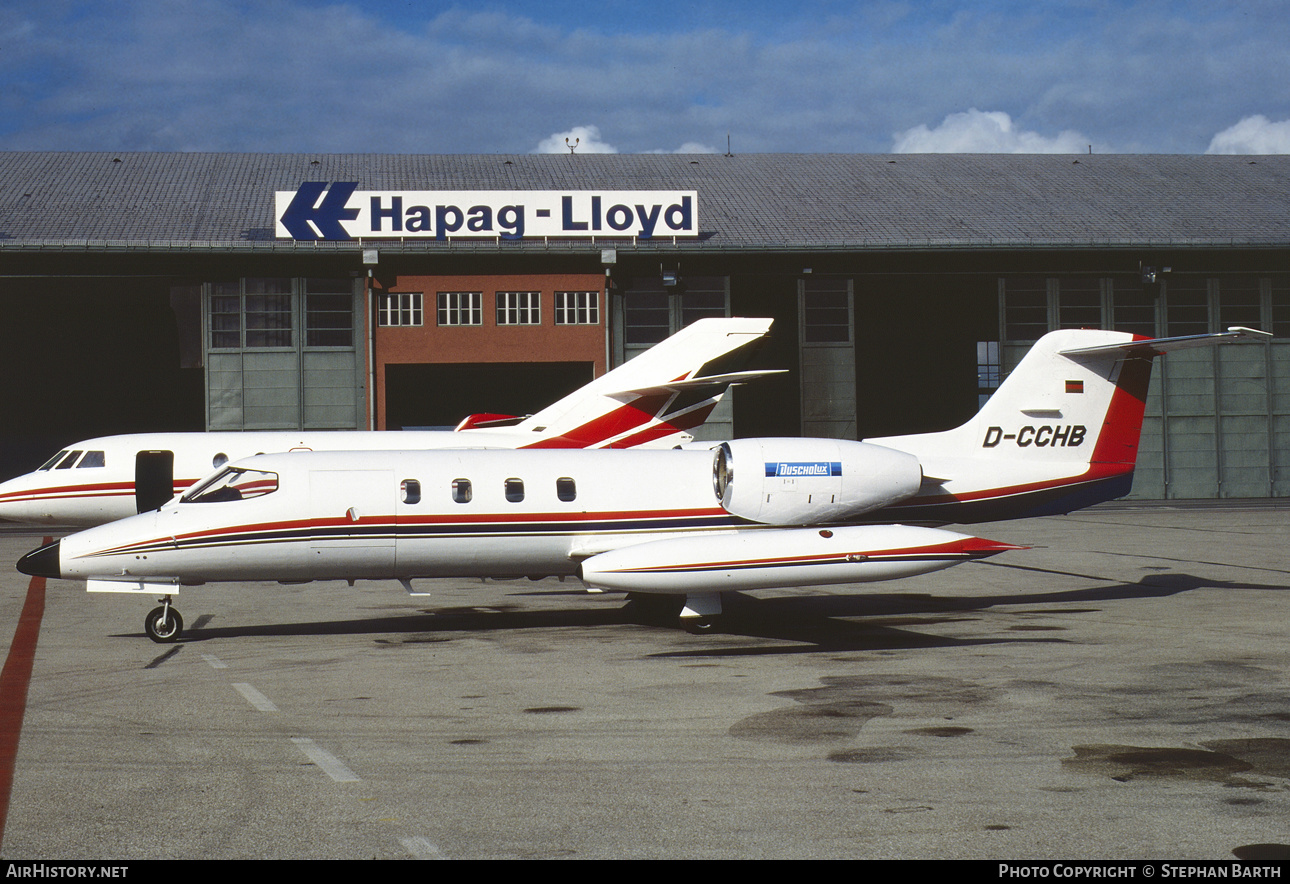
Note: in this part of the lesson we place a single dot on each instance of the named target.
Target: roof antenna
(728, 153)
(574, 146)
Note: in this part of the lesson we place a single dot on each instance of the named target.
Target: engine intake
(805, 481)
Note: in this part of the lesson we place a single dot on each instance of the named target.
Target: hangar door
(281, 354)
(442, 394)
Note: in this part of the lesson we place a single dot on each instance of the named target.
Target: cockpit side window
(92, 459)
(233, 484)
(49, 464)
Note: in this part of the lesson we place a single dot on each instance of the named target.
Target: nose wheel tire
(163, 624)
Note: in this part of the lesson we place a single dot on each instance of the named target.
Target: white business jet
(1059, 434)
(649, 401)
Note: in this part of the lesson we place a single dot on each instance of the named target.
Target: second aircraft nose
(42, 562)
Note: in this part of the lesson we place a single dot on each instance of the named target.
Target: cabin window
(461, 492)
(219, 460)
(410, 490)
(233, 484)
(92, 459)
(66, 463)
(49, 464)
(566, 489)
(514, 490)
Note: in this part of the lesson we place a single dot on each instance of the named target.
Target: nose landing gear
(163, 624)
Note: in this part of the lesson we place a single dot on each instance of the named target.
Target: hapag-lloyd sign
(342, 212)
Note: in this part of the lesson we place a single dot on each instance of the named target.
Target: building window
(329, 313)
(226, 316)
(703, 297)
(988, 373)
(577, 308)
(461, 308)
(1133, 307)
(1079, 303)
(1279, 323)
(398, 308)
(647, 317)
(1025, 314)
(1239, 303)
(268, 312)
(826, 312)
(519, 308)
(1186, 307)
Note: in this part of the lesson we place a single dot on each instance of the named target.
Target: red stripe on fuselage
(608, 521)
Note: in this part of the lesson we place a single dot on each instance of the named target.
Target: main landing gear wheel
(163, 624)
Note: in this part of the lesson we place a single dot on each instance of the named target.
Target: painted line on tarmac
(15, 677)
(331, 765)
(255, 698)
(422, 848)
(215, 662)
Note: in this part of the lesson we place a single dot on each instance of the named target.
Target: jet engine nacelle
(807, 481)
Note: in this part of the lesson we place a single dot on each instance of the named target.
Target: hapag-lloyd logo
(344, 212)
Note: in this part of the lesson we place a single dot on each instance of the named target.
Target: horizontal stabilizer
(717, 380)
(1156, 346)
(487, 422)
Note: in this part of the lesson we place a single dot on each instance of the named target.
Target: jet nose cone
(43, 562)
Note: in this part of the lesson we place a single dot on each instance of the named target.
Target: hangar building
(149, 291)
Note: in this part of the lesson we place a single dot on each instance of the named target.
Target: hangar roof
(774, 202)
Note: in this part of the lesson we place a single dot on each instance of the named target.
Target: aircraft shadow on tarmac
(887, 621)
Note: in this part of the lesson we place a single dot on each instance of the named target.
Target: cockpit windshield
(233, 483)
(53, 460)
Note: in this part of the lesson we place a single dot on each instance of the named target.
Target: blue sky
(424, 77)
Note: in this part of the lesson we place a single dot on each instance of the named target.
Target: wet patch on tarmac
(948, 731)
(1226, 762)
(838, 710)
(872, 755)
(1269, 757)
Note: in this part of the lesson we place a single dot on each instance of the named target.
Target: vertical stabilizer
(1060, 433)
(653, 399)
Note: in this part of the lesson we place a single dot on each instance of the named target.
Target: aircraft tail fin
(1060, 433)
(653, 399)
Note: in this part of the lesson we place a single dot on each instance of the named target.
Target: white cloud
(1256, 134)
(587, 139)
(584, 139)
(983, 132)
(694, 147)
(688, 147)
